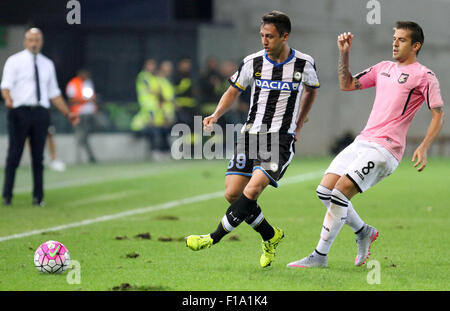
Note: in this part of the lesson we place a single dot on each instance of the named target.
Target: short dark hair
(416, 32)
(279, 19)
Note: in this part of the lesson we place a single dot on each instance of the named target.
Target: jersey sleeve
(368, 77)
(431, 91)
(243, 77)
(310, 77)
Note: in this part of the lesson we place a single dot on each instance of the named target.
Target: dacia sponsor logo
(277, 85)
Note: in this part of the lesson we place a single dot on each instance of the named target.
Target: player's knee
(253, 191)
(231, 195)
(232, 192)
(347, 187)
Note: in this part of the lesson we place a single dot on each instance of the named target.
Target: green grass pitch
(174, 199)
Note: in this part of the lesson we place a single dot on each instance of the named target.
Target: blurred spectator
(227, 69)
(185, 97)
(147, 86)
(164, 116)
(210, 84)
(55, 163)
(238, 113)
(81, 94)
(148, 94)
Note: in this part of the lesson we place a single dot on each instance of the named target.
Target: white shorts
(365, 163)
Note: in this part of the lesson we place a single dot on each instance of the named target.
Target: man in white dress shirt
(28, 86)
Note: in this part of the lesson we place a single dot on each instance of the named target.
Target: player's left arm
(306, 102)
(420, 155)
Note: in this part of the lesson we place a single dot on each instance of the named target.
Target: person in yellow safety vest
(185, 97)
(164, 114)
(184, 85)
(147, 90)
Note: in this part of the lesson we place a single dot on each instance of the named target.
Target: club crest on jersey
(403, 78)
(277, 85)
(273, 166)
(297, 76)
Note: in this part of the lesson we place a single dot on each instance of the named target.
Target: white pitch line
(158, 207)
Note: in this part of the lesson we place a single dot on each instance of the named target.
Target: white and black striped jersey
(276, 89)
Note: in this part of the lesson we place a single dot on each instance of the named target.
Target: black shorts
(271, 153)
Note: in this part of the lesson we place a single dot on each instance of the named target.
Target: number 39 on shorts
(240, 161)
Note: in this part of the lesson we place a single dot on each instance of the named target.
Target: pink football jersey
(400, 91)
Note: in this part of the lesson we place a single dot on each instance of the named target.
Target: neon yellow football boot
(269, 248)
(198, 242)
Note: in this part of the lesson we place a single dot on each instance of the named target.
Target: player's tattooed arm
(346, 80)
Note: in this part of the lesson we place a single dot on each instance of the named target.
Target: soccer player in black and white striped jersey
(283, 84)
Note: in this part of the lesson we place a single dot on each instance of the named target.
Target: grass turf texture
(410, 210)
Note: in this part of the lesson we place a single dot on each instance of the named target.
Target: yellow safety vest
(184, 98)
(147, 89)
(165, 113)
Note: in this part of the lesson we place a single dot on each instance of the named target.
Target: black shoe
(6, 201)
(38, 202)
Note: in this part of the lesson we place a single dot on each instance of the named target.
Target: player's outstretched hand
(420, 156)
(344, 41)
(209, 122)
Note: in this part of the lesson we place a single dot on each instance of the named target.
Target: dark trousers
(82, 132)
(158, 138)
(23, 122)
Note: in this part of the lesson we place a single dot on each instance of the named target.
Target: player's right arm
(346, 81)
(226, 101)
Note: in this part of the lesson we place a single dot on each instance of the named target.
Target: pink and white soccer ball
(51, 257)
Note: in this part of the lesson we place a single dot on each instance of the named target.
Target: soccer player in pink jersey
(402, 86)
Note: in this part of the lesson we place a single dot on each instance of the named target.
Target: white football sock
(353, 220)
(324, 195)
(334, 220)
